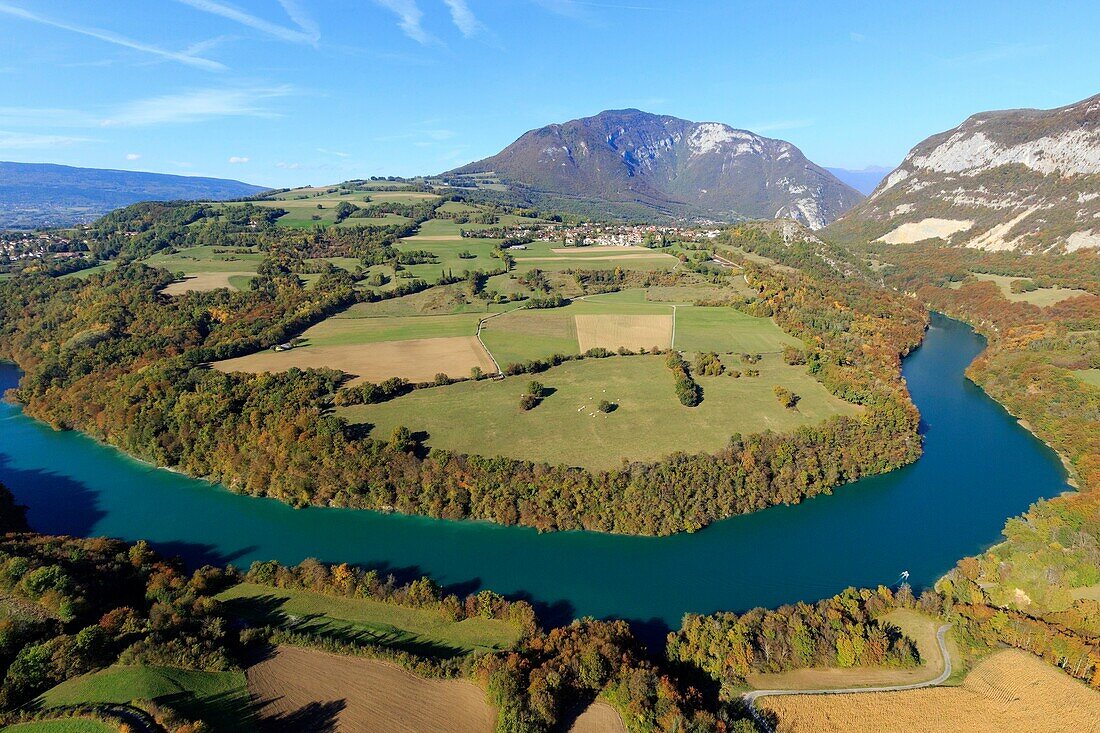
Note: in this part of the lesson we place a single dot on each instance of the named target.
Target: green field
(1042, 297)
(484, 417)
(421, 631)
(61, 725)
(348, 328)
(541, 255)
(533, 334)
(1088, 376)
(442, 300)
(199, 260)
(220, 698)
(724, 330)
(447, 255)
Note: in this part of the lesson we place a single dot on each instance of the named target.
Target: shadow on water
(197, 554)
(57, 504)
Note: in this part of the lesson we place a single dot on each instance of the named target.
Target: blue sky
(289, 92)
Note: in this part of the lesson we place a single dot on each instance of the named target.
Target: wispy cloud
(409, 17)
(238, 159)
(196, 106)
(133, 156)
(306, 31)
(337, 153)
(288, 166)
(578, 8)
(31, 141)
(776, 125)
(464, 18)
(110, 37)
(856, 37)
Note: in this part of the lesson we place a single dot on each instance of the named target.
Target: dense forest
(842, 631)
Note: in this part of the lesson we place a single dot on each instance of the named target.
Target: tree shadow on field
(313, 717)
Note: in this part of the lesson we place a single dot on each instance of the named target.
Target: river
(979, 468)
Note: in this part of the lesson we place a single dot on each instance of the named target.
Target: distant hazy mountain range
(42, 194)
(1020, 179)
(864, 180)
(636, 164)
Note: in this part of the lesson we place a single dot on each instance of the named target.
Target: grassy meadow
(61, 725)
(220, 698)
(1041, 297)
(420, 631)
(485, 418)
(525, 334)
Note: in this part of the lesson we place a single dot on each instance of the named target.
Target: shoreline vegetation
(111, 357)
(278, 438)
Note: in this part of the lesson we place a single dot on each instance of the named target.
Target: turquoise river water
(979, 468)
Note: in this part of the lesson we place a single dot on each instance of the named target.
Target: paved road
(751, 697)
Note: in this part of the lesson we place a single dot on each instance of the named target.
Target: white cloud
(857, 37)
(306, 32)
(337, 153)
(238, 159)
(196, 106)
(464, 18)
(30, 141)
(288, 166)
(133, 156)
(409, 16)
(111, 37)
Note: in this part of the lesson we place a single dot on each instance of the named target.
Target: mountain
(1021, 179)
(640, 165)
(42, 194)
(864, 180)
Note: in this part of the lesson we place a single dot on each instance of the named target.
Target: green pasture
(485, 418)
(60, 725)
(220, 698)
(204, 259)
(422, 631)
(351, 328)
(1042, 297)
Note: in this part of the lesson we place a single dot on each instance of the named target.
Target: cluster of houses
(16, 246)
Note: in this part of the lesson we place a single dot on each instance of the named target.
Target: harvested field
(202, 282)
(308, 690)
(417, 360)
(1008, 691)
(599, 717)
(612, 331)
